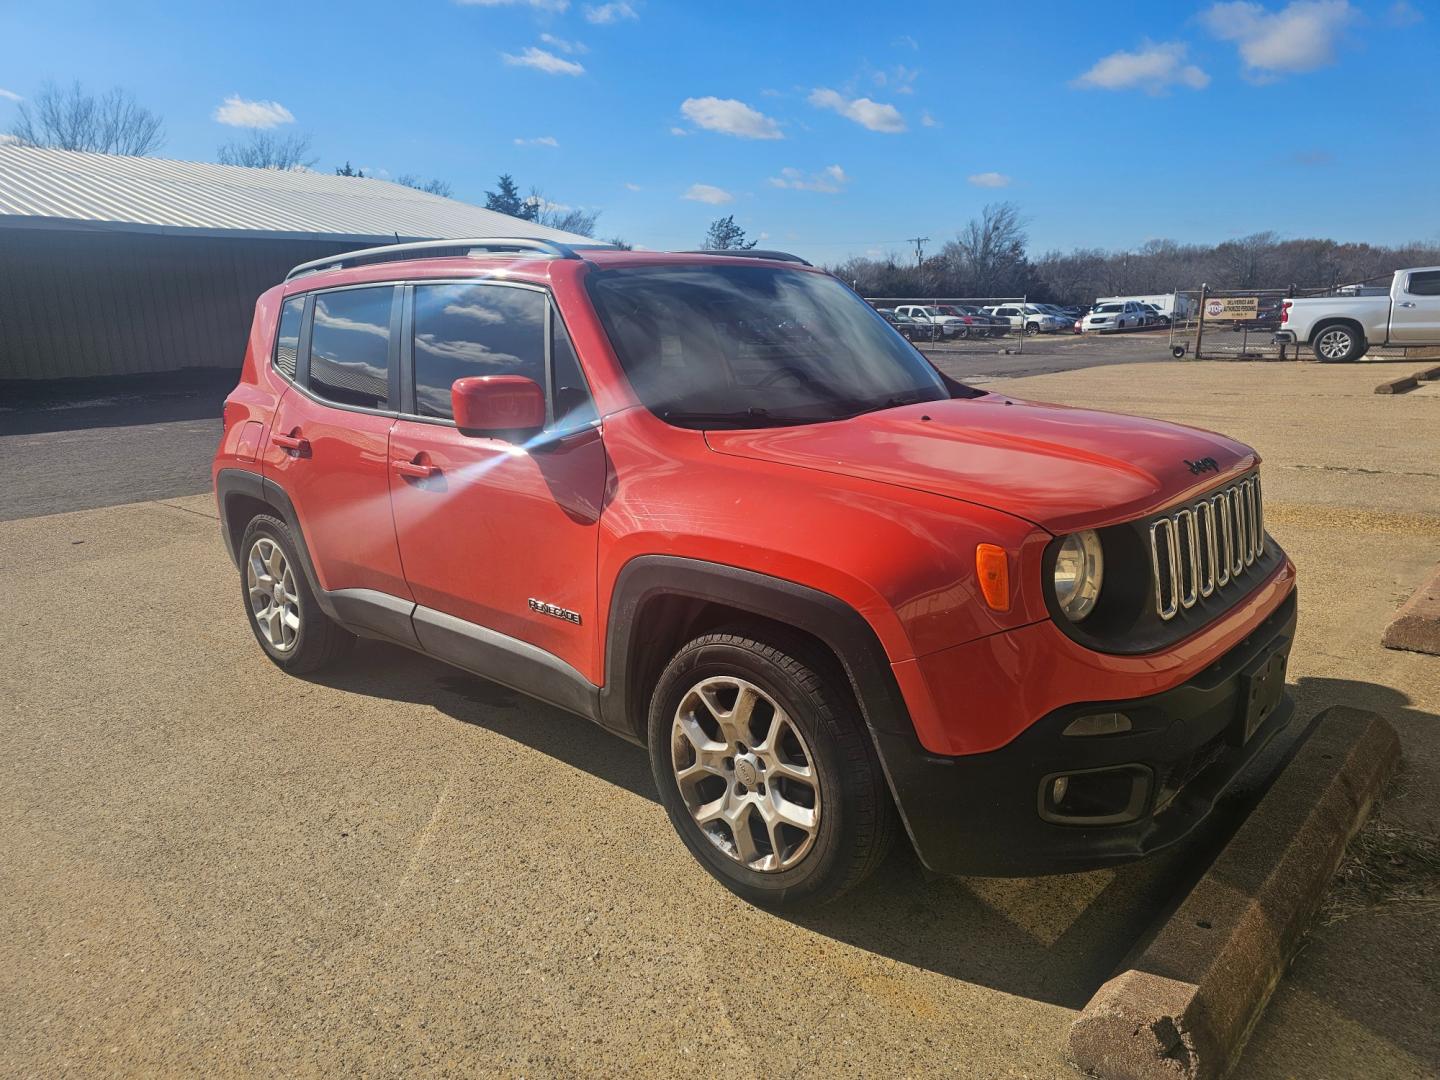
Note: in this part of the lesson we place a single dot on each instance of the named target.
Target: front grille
(1206, 547)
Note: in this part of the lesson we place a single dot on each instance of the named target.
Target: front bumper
(986, 813)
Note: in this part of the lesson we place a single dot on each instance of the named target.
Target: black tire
(1338, 343)
(857, 821)
(1032, 328)
(319, 641)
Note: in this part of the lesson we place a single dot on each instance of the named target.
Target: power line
(919, 242)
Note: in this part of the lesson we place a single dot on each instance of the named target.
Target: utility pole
(919, 242)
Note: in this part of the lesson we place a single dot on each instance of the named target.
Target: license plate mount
(1262, 686)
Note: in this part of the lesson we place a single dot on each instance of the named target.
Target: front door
(1415, 314)
(500, 535)
(329, 440)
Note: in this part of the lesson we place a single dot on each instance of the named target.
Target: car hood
(1059, 467)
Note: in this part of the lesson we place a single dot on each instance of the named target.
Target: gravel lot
(212, 867)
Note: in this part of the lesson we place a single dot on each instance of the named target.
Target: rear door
(1415, 314)
(329, 440)
(499, 535)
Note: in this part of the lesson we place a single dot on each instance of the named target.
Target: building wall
(76, 303)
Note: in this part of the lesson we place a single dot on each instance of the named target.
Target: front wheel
(766, 770)
(1338, 345)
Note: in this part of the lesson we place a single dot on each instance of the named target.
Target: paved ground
(208, 866)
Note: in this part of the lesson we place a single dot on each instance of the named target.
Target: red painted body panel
(499, 526)
(976, 697)
(882, 511)
(1062, 468)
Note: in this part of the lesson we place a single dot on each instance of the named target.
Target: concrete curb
(1184, 1008)
(1428, 375)
(1398, 386)
(1416, 626)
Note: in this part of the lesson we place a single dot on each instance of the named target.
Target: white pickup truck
(1341, 328)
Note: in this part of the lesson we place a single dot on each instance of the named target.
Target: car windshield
(755, 346)
(1107, 309)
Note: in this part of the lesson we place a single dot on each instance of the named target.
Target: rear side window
(463, 330)
(350, 347)
(287, 338)
(1425, 283)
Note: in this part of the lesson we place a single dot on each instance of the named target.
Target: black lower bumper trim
(978, 814)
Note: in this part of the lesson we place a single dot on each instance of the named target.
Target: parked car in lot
(1107, 318)
(1027, 318)
(1341, 328)
(908, 327)
(977, 323)
(930, 315)
(710, 502)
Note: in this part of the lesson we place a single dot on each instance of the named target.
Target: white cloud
(237, 112)
(544, 61)
(1154, 69)
(1402, 14)
(866, 113)
(7, 139)
(570, 47)
(542, 140)
(729, 117)
(926, 120)
(1299, 37)
(10, 95)
(678, 131)
(610, 13)
(633, 187)
(828, 180)
(900, 79)
(905, 41)
(990, 179)
(538, 5)
(708, 193)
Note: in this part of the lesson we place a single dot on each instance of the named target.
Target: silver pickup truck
(1341, 328)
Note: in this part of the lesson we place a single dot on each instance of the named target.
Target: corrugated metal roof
(66, 189)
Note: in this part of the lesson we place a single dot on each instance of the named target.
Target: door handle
(415, 469)
(1407, 303)
(291, 442)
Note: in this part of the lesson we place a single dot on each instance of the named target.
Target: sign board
(1231, 307)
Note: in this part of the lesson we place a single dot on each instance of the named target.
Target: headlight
(1079, 570)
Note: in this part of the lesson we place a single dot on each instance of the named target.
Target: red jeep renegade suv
(715, 503)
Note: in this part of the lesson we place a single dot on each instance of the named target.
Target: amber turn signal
(993, 569)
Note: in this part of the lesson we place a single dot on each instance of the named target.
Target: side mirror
(500, 405)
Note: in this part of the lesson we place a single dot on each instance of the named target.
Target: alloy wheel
(745, 773)
(1334, 344)
(274, 599)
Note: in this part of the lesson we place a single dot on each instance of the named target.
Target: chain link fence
(971, 323)
(1228, 324)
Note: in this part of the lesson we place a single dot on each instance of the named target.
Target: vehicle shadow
(1052, 939)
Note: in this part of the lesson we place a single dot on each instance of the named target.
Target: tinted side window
(1425, 283)
(465, 330)
(350, 347)
(287, 338)
(574, 407)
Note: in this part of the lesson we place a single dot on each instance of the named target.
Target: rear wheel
(280, 604)
(1338, 344)
(766, 770)
(1032, 328)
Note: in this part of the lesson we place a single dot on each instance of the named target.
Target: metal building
(116, 265)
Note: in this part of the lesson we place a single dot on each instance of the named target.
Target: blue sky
(833, 129)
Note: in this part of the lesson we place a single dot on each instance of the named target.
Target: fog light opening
(1109, 796)
(1109, 723)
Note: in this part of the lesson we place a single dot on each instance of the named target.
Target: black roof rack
(750, 253)
(437, 249)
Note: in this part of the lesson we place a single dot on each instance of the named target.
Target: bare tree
(434, 187)
(565, 218)
(989, 253)
(264, 150)
(73, 118)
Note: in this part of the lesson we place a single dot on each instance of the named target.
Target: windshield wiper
(894, 401)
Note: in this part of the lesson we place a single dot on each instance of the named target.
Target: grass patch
(1386, 865)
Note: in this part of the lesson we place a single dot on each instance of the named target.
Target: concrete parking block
(1398, 386)
(1185, 1006)
(1416, 626)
